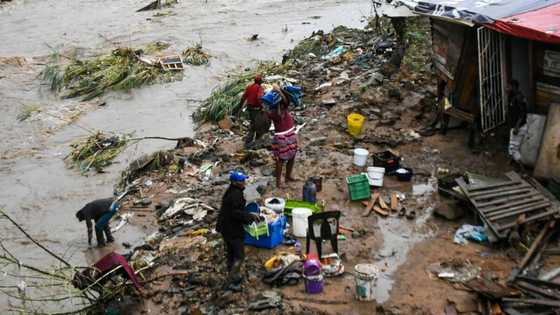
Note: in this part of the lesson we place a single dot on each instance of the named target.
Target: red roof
(540, 25)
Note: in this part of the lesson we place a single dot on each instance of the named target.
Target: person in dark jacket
(230, 223)
(517, 107)
(100, 211)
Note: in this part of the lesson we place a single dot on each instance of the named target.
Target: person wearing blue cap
(230, 223)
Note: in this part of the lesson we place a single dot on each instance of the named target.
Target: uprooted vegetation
(224, 101)
(96, 151)
(123, 70)
(195, 56)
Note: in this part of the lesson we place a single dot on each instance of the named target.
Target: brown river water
(35, 186)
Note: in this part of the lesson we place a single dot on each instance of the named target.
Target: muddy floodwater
(35, 186)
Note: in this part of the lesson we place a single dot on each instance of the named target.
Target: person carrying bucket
(230, 223)
(100, 211)
(285, 141)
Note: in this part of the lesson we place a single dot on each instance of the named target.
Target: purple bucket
(313, 284)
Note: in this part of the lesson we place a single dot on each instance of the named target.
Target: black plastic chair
(323, 226)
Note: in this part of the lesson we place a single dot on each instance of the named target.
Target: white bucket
(375, 176)
(299, 216)
(360, 157)
(366, 279)
(277, 207)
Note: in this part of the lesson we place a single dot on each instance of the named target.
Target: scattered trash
(455, 271)
(469, 232)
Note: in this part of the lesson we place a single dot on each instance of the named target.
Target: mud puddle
(399, 237)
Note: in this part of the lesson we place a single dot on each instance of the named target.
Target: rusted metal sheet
(507, 204)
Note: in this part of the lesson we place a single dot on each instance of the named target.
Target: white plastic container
(276, 207)
(375, 176)
(365, 276)
(360, 157)
(299, 217)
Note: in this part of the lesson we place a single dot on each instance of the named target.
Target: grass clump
(96, 151)
(224, 101)
(195, 56)
(120, 70)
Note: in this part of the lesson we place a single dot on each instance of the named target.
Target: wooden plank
(380, 211)
(473, 188)
(507, 199)
(533, 288)
(509, 193)
(394, 201)
(499, 190)
(511, 208)
(533, 218)
(515, 203)
(502, 215)
(533, 301)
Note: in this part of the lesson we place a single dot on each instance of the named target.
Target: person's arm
(89, 229)
(238, 212)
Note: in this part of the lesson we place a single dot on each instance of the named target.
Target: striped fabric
(285, 145)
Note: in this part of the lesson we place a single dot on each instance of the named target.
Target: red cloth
(253, 94)
(283, 121)
(113, 260)
(541, 25)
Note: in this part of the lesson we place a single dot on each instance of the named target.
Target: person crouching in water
(100, 211)
(285, 142)
(230, 223)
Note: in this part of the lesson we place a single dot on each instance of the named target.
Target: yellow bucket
(355, 124)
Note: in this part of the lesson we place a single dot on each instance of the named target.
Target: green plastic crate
(358, 187)
(257, 229)
(292, 204)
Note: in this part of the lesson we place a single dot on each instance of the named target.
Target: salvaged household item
(365, 276)
(310, 191)
(274, 237)
(358, 187)
(276, 204)
(313, 276)
(386, 159)
(355, 124)
(323, 227)
(375, 176)
(292, 204)
(404, 174)
(299, 222)
(505, 204)
(360, 157)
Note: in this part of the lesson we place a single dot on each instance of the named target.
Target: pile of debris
(123, 69)
(195, 56)
(96, 151)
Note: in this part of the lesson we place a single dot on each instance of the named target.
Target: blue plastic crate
(276, 235)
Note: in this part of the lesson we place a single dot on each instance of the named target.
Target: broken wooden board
(509, 203)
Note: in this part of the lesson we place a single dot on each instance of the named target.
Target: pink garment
(113, 260)
(283, 121)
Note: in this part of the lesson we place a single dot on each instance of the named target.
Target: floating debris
(158, 4)
(97, 151)
(195, 56)
(123, 69)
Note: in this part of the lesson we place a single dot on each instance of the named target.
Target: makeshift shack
(481, 46)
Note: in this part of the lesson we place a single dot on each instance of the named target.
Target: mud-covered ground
(397, 106)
